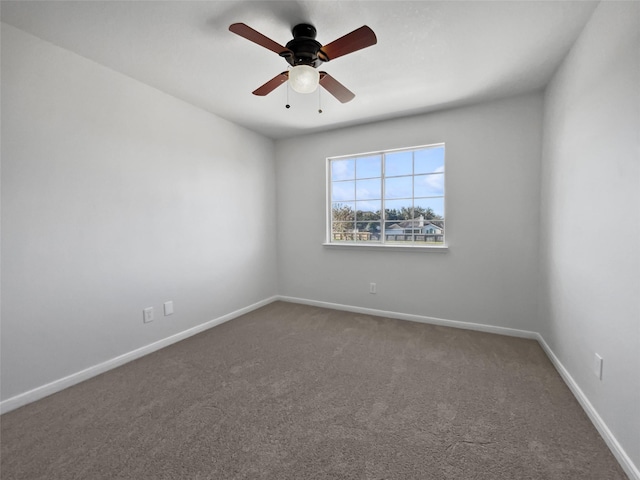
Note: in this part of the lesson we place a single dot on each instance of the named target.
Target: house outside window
(393, 197)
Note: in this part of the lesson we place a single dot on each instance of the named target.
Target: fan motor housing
(304, 46)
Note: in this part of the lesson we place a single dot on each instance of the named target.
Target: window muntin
(388, 198)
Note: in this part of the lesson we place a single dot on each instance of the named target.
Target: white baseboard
(511, 332)
(75, 378)
(625, 462)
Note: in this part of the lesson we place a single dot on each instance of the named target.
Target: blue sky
(357, 183)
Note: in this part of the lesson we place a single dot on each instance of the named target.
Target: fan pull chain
(319, 100)
(288, 105)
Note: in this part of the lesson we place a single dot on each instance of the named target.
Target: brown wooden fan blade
(361, 38)
(272, 84)
(256, 37)
(335, 88)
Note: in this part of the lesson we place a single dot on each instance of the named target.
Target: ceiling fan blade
(271, 85)
(335, 88)
(358, 39)
(256, 37)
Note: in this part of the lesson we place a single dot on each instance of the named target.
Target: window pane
(432, 206)
(398, 209)
(369, 210)
(343, 169)
(342, 231)
(343, 191)
(428, 185)
(368, 220)
(396, 232)
(398, 163)
(368, 231)
(434, 226)
(368, 189)
(429, 160)
(432, 232)
(368, 167)
(341, 211)
(398, 187)
(342, 227)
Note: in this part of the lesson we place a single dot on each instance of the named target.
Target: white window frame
(382, 243)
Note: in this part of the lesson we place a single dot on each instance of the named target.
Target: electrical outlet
(372, 288)
(168, 308)
(147, 315)
(597, 366)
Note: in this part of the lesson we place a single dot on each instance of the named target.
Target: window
(394, 197)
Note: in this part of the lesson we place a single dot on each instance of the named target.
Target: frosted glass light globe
(304, 79)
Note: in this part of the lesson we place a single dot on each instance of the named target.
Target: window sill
(378, 246)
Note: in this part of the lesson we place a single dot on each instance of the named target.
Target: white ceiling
(430, 54)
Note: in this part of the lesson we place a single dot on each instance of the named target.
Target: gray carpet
(297, 392)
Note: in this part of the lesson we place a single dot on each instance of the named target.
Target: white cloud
(342, 169)
(431, 184)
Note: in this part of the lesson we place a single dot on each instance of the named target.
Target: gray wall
(590, 254)
(489, 273)
(113, 197)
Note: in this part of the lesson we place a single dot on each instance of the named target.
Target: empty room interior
(313, 239)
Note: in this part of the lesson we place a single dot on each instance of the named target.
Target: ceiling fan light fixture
(304, 79)
(304, 54)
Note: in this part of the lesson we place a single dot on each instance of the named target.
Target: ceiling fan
(305, 54)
